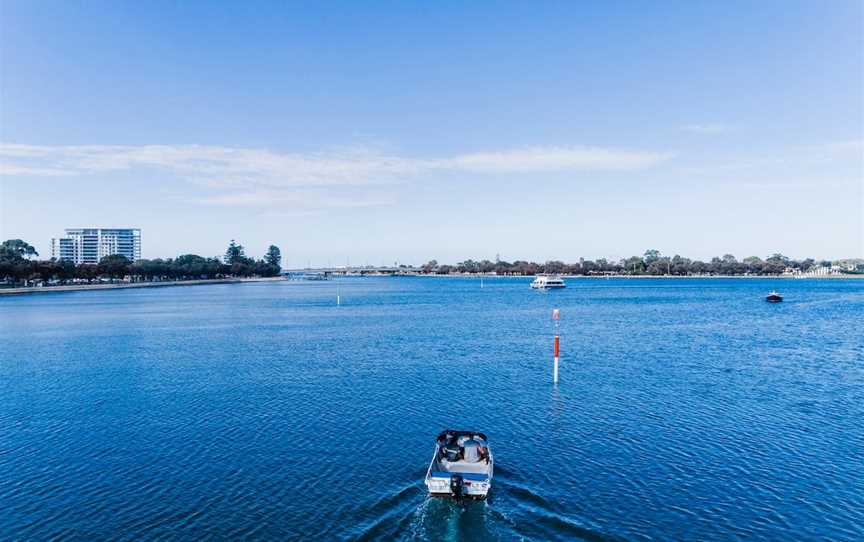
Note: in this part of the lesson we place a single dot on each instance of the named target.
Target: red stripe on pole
(557, 346)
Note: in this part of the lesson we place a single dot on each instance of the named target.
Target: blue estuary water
(686, 410)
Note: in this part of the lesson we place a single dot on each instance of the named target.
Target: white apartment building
(89, 245)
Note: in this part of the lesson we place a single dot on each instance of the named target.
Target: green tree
(235, 254)
(775, 264)
(660, 266)
(553, 266)
(194, 266)
(680, 265)
(468, 266)
(651, 256)
(115, 266)
(16, 249)
(633, 265)
(274, 256)
(87, 271)
(485, 266)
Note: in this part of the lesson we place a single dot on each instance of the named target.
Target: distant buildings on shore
(837, 268)
(89, 245)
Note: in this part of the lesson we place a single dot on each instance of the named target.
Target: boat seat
(473, 476)
(462, 466)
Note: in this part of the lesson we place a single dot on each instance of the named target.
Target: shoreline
(125, 285)
(783, 277)
(596, 277)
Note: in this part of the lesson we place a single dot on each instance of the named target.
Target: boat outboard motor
(457, 485)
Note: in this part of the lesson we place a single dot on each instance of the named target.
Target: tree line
(651, 263)
(18, 264)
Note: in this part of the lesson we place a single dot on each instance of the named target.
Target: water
(686, 410)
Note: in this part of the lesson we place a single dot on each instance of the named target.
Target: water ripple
(687, 410)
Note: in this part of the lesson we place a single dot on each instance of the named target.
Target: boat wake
(514, 510)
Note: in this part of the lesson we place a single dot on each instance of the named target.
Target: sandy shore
(84, 287)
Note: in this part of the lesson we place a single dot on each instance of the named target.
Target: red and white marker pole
(556, 317)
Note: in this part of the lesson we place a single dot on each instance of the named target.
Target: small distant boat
(461, 465)
(773, 297)
(548, 282)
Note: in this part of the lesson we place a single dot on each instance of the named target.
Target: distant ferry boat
(548, 282)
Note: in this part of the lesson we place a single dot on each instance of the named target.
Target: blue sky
(398, 132)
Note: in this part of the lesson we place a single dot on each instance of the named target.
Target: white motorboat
(548, 282)
(461, 465)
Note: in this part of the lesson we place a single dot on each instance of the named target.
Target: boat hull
(440, 486)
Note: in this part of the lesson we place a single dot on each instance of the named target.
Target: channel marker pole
(556, 316)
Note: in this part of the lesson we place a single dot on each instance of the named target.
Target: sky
(374, 133)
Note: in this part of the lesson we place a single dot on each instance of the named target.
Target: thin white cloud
(851, 146)
(305, 199)
(708, 129)
(844, 157)
(26, 171)
(547, 159)
(226, 165)
(341, 166)
(261, 177)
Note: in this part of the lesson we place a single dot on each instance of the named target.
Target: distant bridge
(366, 270)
